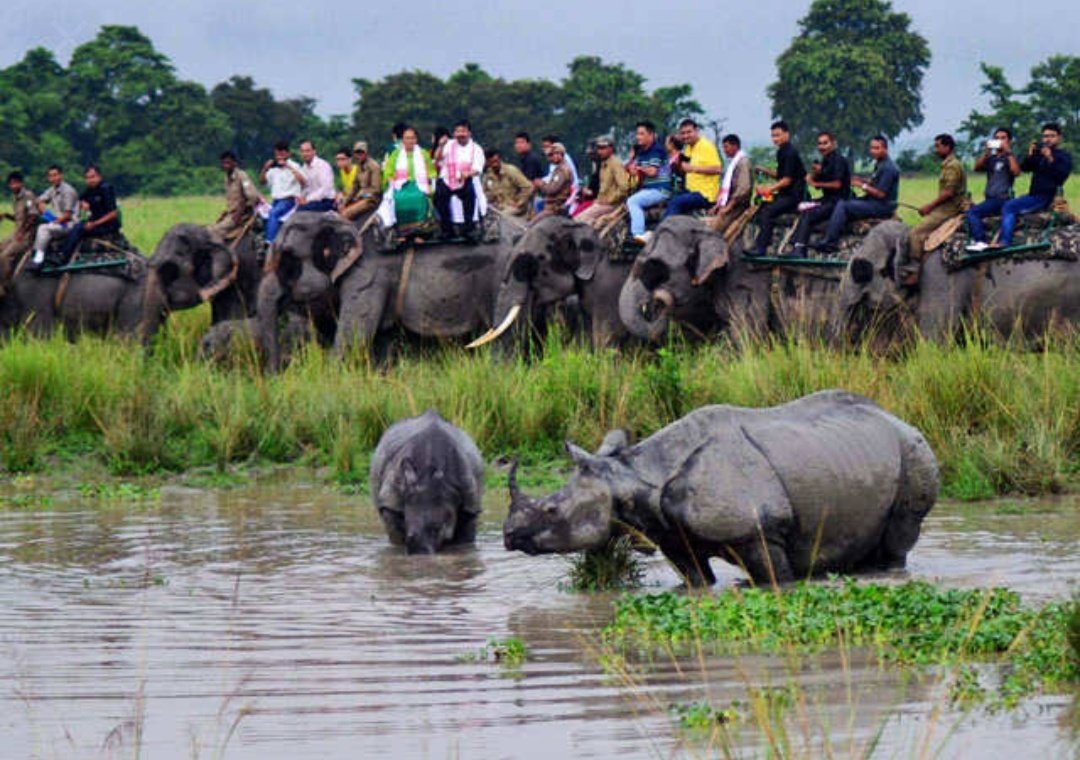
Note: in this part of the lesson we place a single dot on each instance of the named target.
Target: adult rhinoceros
(1033, 291)
(830, 482)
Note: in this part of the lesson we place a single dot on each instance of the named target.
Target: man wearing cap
(506, 187)
(700, 164)
(556, 188)
(241, 197)
(614, 183)
(365, 191)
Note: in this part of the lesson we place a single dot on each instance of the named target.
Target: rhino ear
(614, 442)
(581, 457)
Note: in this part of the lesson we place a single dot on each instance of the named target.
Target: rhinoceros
(427, 478)
(827, 483)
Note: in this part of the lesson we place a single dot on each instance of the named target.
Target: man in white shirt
(319, 189)
(286, 182)
(463, 163)
(57, 205)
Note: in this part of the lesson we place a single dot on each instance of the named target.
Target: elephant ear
(589, 250)
(711, 252)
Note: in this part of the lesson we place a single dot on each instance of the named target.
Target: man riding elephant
(1032, 293)
(24, 213)
(241, 198)
(949, 203)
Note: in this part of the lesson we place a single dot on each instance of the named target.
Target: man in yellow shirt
(701, 165)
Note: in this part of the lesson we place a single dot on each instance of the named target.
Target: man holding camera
(286, 183)
(701, 165)
(1050, 166)
(1001, 168)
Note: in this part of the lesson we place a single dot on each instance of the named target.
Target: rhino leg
(688, 558)
(914, 499)
(765, 560)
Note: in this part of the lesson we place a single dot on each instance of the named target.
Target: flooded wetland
(276, 621)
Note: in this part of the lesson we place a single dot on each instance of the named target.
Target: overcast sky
(726, 50)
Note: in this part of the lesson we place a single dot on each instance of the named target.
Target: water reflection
(286, 609)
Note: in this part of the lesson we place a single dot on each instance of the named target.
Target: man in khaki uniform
(366, 191)
(506, 187)
(952, 191)
(556, 189)
(241, 197)
(614, 183)
(25, 215)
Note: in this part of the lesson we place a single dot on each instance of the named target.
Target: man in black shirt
(530, 162)
(832, 176)
(784, 195)
(99, 200)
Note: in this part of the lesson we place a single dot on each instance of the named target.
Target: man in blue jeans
(880, 193)
(286, 182)
(1050, 166)
(653, 173)
(1002, 168)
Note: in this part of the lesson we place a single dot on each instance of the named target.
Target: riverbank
(1001, 420)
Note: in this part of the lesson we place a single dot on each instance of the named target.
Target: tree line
(119, 103)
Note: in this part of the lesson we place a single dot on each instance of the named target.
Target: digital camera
(994, 145)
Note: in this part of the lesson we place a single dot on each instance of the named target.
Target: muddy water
(276, 622)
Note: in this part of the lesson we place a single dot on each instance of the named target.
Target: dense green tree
(855, 69)
(1051, 95)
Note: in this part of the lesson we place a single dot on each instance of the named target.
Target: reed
(1001, 420)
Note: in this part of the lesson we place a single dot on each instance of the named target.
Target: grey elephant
(191, 266)
(1033, 293)
(553, 261)
(223, 340)
(322, 266)
(427, 480)
(691, 275)
(86, 300)
(827, 483)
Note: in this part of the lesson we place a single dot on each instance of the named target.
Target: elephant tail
(916, 495)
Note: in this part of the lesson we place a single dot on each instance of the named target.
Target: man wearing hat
(365, 191)
(614, 183)
(556, 188)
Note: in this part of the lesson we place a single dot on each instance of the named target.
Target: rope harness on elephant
(354, 253)
(403, 284)
(210, 292)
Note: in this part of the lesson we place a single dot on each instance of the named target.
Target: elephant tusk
(494, 333)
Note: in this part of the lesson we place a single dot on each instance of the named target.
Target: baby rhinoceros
(427, 477)
(828, 483)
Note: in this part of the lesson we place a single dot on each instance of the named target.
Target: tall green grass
(1001, 420)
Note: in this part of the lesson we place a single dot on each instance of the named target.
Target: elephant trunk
(154, 306)
(271, 294)
(225, 260)
(644, 313)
